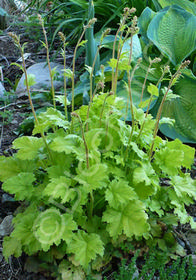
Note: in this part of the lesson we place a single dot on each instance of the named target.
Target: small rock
(42, 77)
(7, 198)
(6, 226)
(193, 259)
(2, 91)
(191, 237)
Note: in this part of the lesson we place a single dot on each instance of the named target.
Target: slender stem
(48, 61)
(30, 99)
(83, 137)
(151, 97)
(91, 73)
(158, 117)
(65, 82)
(145, 79)
(113, 51)
(74, 61)
(119, 51)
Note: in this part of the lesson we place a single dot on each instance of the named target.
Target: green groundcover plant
(90, 184)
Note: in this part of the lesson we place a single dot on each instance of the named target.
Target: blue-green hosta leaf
(29, 147)
(144, 21)
(136, 49)
(119, 193)
(51, 227)
(85, 247)
(136, 52)
(170, 29)
(184, 185)
(129, 219)
(20, 185)
(185, 4)
(52, 118)
(182, 110)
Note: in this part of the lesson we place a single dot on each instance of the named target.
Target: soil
(17, 109)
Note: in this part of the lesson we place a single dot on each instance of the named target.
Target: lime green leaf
(143, 173)
(60, 188)
(82, 43)
(188, 151)
(69, 144)
(184, 185)
(51, 227)
(184, 217)
(28, 147)
(8, 167)
(119, 193)
(153, 90)
(20, 185)
(70, 272)
(129, 219)
(112, 63)
(61, 100)
(93, 138)
(52, 118)
(68, 73)
(164, 28)
(53, 71)
(137, 150)
(145, 103)
(11, 166)
(11, 247)
(85, 247)
(30, 80)
(169, 160)
(94, 177)
(18, 65)
(170, 94)
(43, 43)
(23, 230)
(168, 121)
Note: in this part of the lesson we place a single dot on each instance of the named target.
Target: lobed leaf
(21, 185)
(29, 147)
(85, 247)
(119, 193)
(129, 219)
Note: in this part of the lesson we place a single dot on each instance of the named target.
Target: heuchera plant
(89, 185)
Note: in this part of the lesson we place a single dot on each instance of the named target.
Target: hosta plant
(90, 185)
(169, 29)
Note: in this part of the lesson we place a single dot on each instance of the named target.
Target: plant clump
(91, 183)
